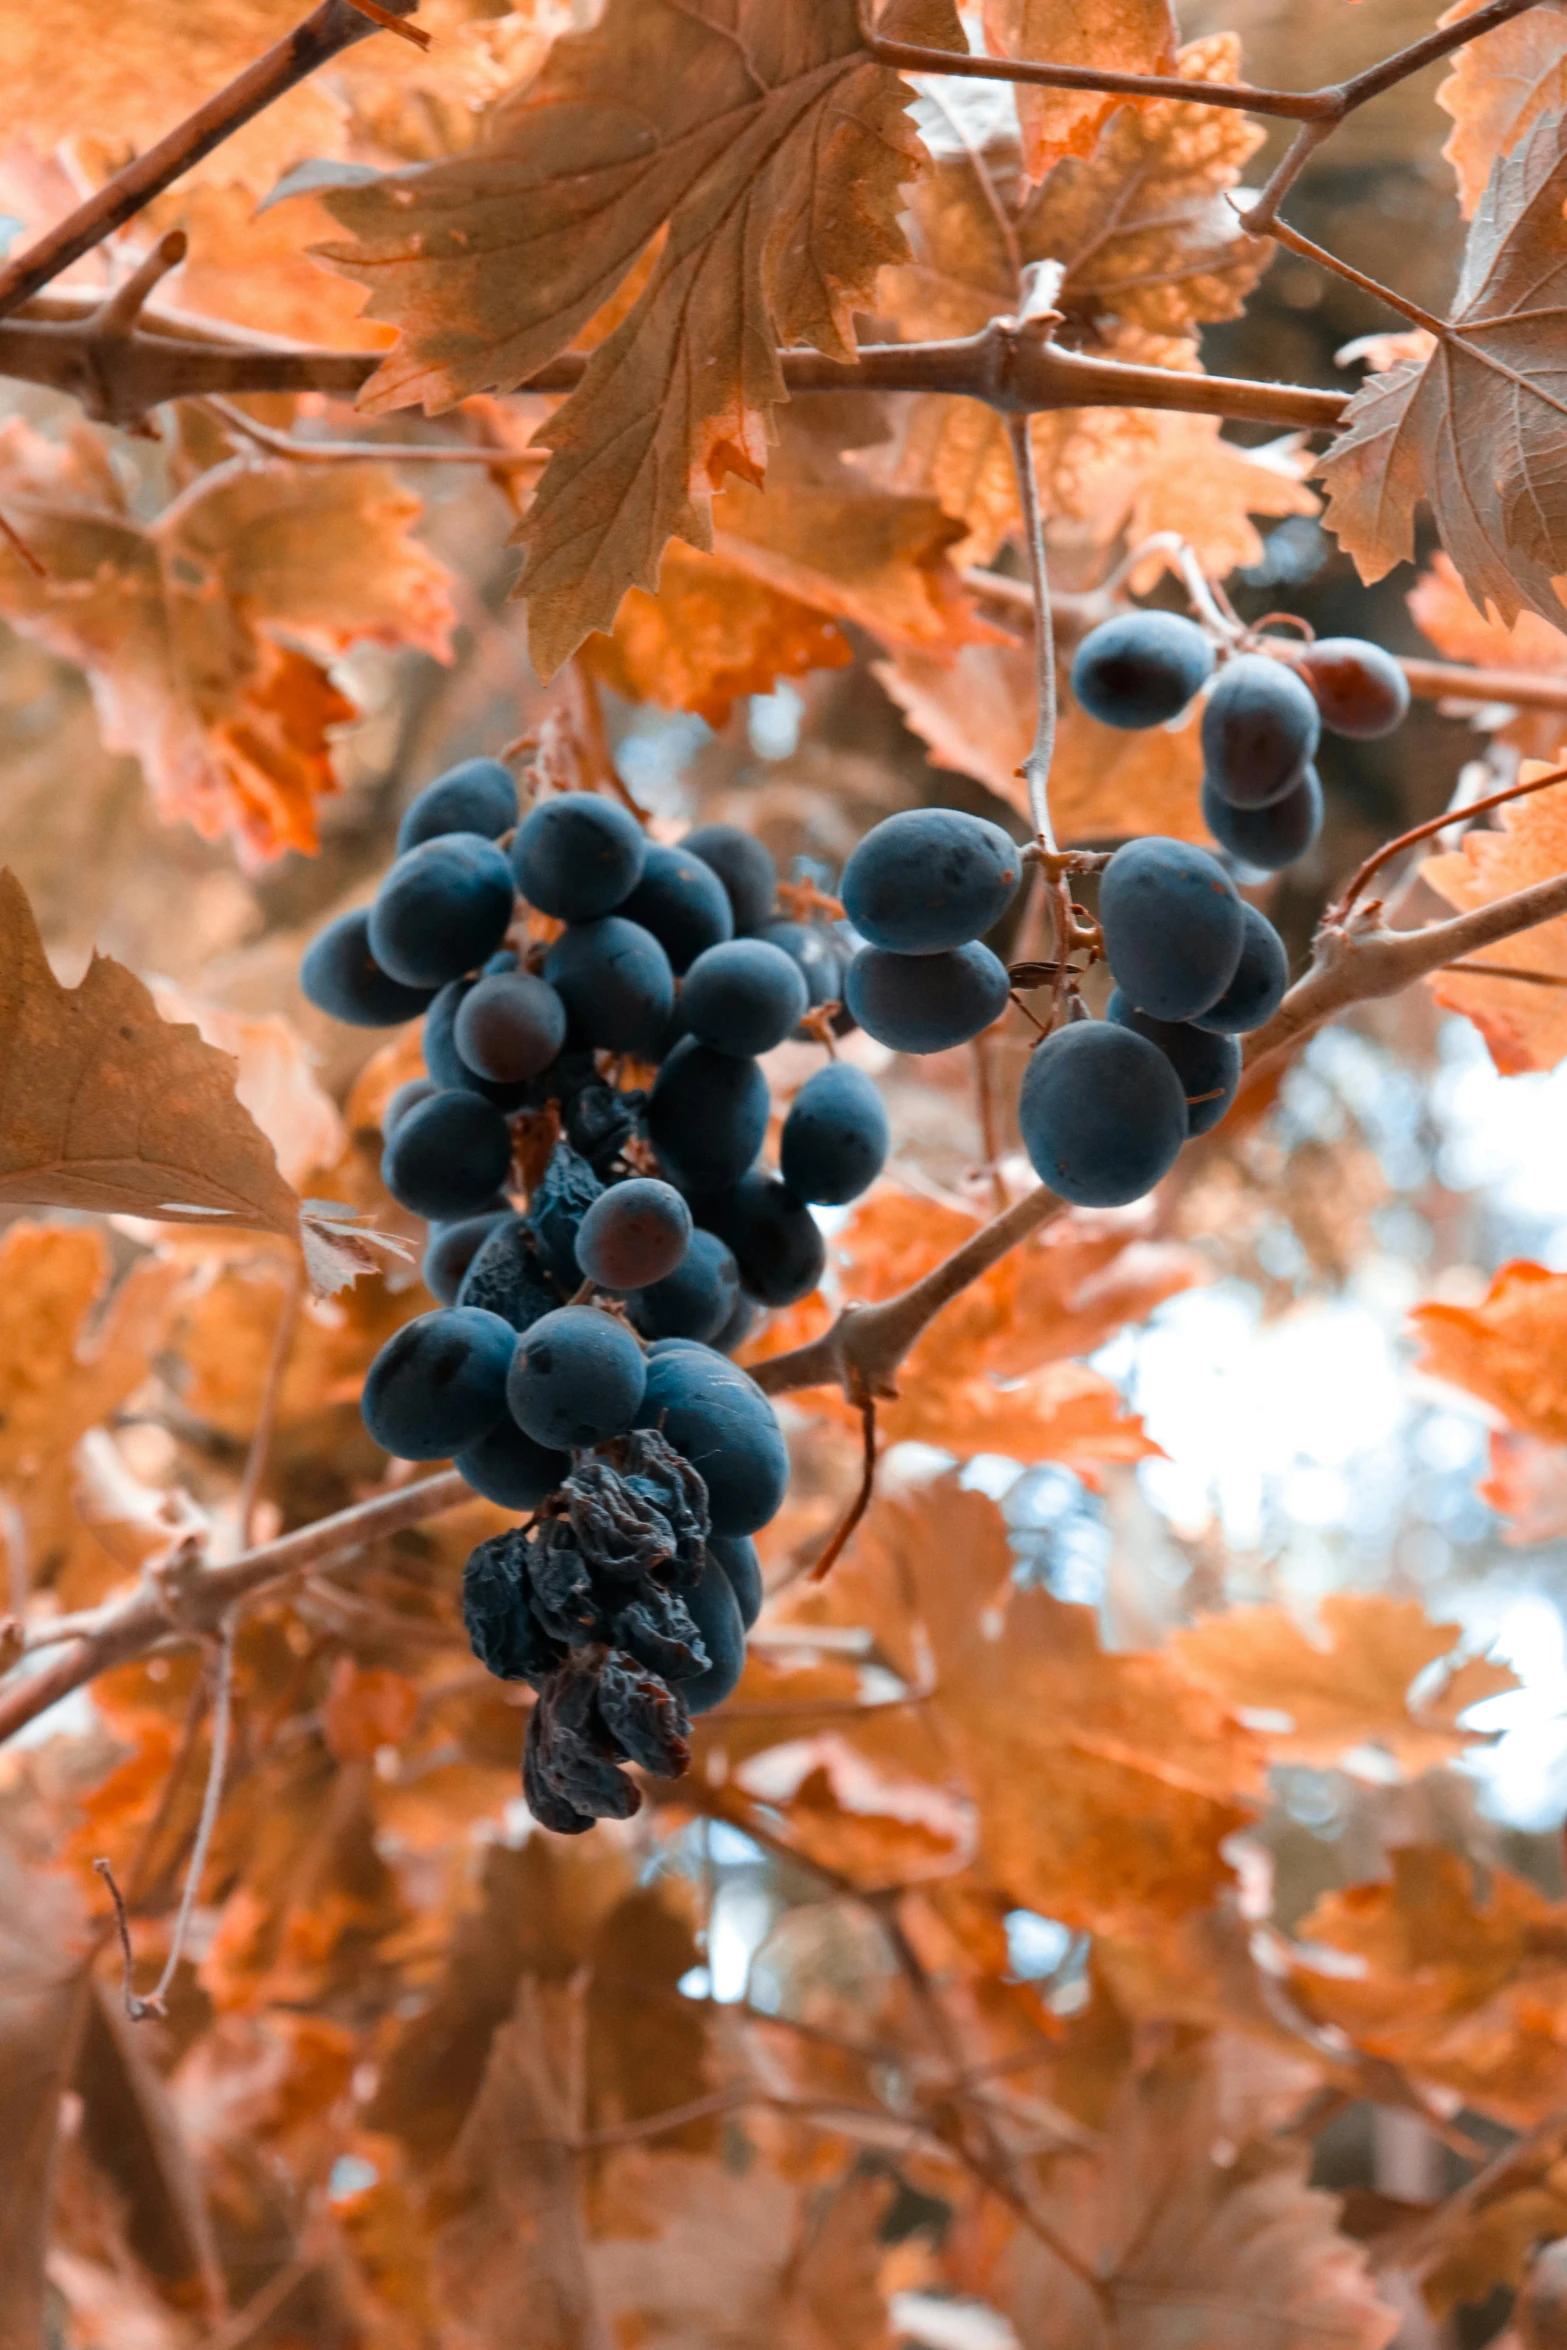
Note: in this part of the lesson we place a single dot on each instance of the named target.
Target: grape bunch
(577, 1366)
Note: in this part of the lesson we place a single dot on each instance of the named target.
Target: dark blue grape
(439, 1383)
(1257, 990)
(745, 868)
(507, 1278)
(737, 1556)
(1267, 839)
(577, 1377)
(1207, 1064)
(1141, 668)
(509, 1026)
(1102, 1114)
(1361, 690)
(682, 902)
(614, 979)
(448, 1158)
(823, 957)
(926, 1003)
(578, 856)
(930, 878)
(479, 796)
(634, 1234)
(447, 1068)
(716, 1613)
(561, 1198)
(835, 1138)
(1260, 727)
(707, 1116)
(451, 1249)
(1173, 926)
(696, 1300)
(406, 1098)
(342, 978)
(442, 909)
(777, 1242)
(503, 1632)
(509, 1469)
(743, 998)
(724, 1426)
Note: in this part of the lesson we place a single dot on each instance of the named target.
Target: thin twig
(1435, 824)
(19, 546)
(1035, 769)
(1505, 971)
(388, 23)
(135, 2008)
(282, 444)
(862, 1500)
(1294, 242)
(271, 1395)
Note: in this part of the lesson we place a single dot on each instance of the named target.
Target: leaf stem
(1035, 769)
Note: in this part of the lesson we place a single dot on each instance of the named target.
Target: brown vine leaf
(1498, 87)
(1476, 430)
(105, 1106)
(709, 636)
(1465, 1991)
(771, 149)
(1349, 1686)
(1117, 36)
(1524, 1025)
(1186, 2234)
(205, 634)
(1509, 1349)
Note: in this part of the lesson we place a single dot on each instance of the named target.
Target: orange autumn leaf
(1525, 1026)
(1464, 1989)
(1443, 611)
(1497, 88)
(1121, 36)
(1347, 1686)
(1508, 1350)
(177, 624)
(710, 636)
(1526, 1484)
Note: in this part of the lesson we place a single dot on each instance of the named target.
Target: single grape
(823, 958)
(928, 879)
(835, 1139)
(683, 903)
(1102, 1114)
(439, 1383)
(451, 1249)
(341, 977)
(406, 1098)
(1141, 668)
(442, 909)
(509, 1027)
(479, 796)
(1207, 1064)
(1361, 690)
(1257, 990)
(743, 998)
(707, 1116)
(1267, 839)
(577, 1378)
(635, 1233)
(563, 1196)
(745, 868)
(448, 1158)
(1172, 924)
(614, 979)
(777, 1242)
(720, 1421)
(448, 1069)
(509, 1469)
(507, 1277)
(716, 1613)
(1260, 728)
(578, 856)
(736, 1554)
(926, 1003)
(694, 1301)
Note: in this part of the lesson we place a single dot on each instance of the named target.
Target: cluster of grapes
(577, 1366)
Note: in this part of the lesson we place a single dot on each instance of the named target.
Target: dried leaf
(177, 624)
(105, 1106)
(1466, 1992)
(770, 147)
(1476, 429)
(1508, 1350)
(1524, 1025)
(1348, 1687)
(1497, 88)
(1117, 36)
(711, 636)
(276, 1083)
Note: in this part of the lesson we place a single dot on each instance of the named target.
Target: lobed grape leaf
(1116, 36)
(1498, 87)
(764, 145)
(1476, 429)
